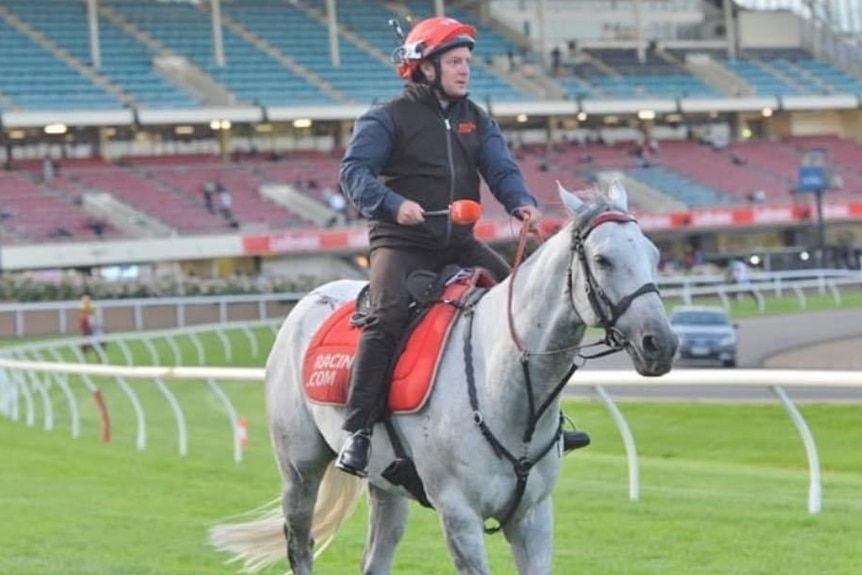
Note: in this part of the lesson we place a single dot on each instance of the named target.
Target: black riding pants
(375, 356)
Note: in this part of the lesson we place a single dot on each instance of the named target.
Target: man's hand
(531, 215)
(409, 213)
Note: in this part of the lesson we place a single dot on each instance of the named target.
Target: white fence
(800, 284)
(22, 366)
(51, 318)
(20, 382)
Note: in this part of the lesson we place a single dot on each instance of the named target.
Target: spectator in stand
(757, 197)
(225, 201)
(337, 203)
(737, 159)
(48, 169)
(60, 232)
(510, 54)
(208, 189)
(98, 226)
(556, 61)
(528, 62)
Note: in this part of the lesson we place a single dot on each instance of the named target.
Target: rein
(519, 257)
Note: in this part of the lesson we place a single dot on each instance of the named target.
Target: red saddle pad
(326, 366)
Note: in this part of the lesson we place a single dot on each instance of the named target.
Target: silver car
(705, 334)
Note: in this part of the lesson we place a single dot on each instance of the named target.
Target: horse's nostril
(650, 344)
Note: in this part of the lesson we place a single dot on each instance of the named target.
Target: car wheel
(729, 363)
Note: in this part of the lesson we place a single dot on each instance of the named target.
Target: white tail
(261, 542)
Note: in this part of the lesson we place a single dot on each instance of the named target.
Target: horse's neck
(544, 321)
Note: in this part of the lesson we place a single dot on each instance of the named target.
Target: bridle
(607, 311)
(588, 218)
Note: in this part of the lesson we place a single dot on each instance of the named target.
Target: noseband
(607, 311)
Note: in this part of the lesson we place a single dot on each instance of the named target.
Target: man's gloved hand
(530, 214)
(409, 213)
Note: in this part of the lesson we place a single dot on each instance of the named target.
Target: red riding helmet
(430, 37)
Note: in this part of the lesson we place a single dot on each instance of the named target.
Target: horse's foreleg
(386, 524)
(465, 538)
(531, 538)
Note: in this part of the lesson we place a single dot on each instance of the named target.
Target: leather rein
(608, 313)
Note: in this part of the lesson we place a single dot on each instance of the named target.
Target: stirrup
(574, 439)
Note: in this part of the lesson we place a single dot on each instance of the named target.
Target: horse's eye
(603, 262)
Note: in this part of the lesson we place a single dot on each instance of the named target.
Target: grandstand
(142, 104)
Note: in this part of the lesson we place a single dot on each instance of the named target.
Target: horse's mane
(595, 195)
(595, 201)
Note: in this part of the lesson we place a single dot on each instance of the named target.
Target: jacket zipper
(451, 175)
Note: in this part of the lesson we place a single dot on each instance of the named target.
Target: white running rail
(12, 373)
(22, 366)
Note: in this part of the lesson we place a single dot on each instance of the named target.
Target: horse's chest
(491, 481)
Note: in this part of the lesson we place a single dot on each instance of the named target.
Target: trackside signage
(353, 240)
(305, 242)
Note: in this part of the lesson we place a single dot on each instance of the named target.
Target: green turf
(724, 488)
(724, 491)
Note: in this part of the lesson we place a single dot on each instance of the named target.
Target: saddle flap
(422, 285)
(425, 287)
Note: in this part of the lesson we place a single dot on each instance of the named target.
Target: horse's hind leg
(302, 456)
(299, 494)
(387, 520)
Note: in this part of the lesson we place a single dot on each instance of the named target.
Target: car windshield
(699, 318)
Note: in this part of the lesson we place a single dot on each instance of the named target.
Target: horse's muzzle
(653, 352)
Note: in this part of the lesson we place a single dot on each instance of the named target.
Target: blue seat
(668, 182)
(32, 78)
(125, 61)
(252, 75)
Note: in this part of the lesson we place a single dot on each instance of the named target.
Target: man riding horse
(428, 148)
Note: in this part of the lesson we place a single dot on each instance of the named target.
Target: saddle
(437, 301)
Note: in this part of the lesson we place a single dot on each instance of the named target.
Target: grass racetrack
(723, 490)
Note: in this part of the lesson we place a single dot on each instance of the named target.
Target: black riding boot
(573, 440)
(354, 455)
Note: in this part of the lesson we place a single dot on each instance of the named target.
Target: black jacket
(429, 155)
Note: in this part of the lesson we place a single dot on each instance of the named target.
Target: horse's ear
(617, 194)
(570, 200)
